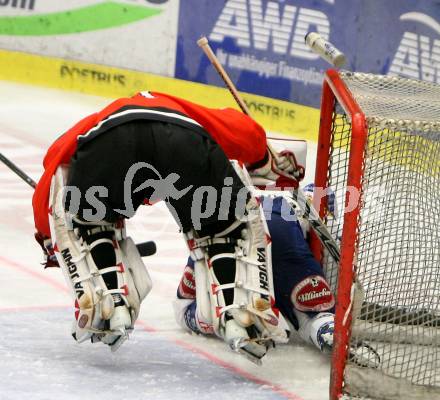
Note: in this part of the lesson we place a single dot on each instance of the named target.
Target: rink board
(274, 115)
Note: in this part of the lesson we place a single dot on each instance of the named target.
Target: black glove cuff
(260, 163)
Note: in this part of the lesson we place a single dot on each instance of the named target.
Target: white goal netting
(398, 238)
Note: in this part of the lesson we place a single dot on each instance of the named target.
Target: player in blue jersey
(302, 294)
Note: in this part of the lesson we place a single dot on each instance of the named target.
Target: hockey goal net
(379, 152)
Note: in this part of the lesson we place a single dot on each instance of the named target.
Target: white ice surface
(39, 359)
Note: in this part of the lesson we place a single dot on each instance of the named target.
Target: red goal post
(335, 90)
(379, 143)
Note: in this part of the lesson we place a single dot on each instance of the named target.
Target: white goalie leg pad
(253, 298)
(203, 297)
(108, 314)
(254, 272)
(257, 251)
(134, 279)
(93, 308)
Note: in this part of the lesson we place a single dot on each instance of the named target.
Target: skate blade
(251, 357)
(114, 338)
(118, 343)
(365, 356)
(243, 346)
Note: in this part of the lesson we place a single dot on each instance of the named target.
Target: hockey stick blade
(146, 248)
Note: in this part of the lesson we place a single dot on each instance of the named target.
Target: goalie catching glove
(50, 259)
(280, 170)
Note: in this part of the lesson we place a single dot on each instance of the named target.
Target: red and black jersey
(240, 137)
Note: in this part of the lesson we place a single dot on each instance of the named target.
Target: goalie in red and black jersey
(154, 147)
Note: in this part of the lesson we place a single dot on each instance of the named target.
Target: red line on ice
(267, 384)
(34, 308)
(40, 276)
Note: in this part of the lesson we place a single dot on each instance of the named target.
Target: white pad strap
(228, 230)
(238, 284)
(140, 278)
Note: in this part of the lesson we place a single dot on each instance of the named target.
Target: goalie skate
(120, 327)
(240, 341)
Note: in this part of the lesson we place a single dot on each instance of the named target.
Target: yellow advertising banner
(274, 115)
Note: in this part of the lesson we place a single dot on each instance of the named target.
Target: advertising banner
(261, 42)
(276, 116)
(403, 40)
(133, 34)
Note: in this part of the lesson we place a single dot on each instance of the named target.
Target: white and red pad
(93, 299)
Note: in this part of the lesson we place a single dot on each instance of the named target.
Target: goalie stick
(310, 213)
(145, 248)
(18, 171)
(332, 55)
